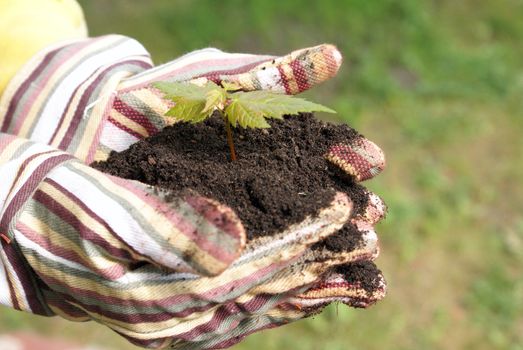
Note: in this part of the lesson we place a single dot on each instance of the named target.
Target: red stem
(229, 139)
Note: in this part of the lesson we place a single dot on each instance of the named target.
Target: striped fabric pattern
(307, 300)
(363, 159)
(146, 303)
(333, 289)
(23, 166)
(138, 110)
(299, 301)
(59, 98)
(88, 272)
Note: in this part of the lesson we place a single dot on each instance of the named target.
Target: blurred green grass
(438, 85)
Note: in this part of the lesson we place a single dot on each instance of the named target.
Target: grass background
(438, 85)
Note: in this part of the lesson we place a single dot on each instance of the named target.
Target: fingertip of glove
(321, 63)
(224, 234)
(359, 284)
(375, 210)
(332, 52)
(362, 159)
(220, 215)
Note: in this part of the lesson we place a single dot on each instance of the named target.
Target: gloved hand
(87, 98)
(322, 274)
(86, 245)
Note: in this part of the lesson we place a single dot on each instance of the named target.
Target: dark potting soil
(365, 273)
(348, 238)
(279, 178)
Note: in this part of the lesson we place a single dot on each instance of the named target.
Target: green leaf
(215, 98)
(249, 109)
(188, 110)
(239, 113)
(193, 103)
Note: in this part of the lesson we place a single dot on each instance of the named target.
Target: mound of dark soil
(279, 178)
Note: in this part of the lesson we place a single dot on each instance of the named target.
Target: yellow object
(27, 26)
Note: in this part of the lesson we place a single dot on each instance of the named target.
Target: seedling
(195, 103)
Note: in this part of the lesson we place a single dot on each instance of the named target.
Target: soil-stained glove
(351, 279)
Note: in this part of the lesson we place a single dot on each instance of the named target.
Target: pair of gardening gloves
(164, 274)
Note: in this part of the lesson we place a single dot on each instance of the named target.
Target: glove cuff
(23, 165)
(60, 97)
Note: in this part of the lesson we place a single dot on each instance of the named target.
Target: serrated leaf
(249, 109)
(188, 110)
(215, 99)
(276, 105)
(190, 99)
(238, 113)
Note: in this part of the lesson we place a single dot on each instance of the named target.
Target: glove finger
(287, 285)
(228, 322)
(291, 283)
(309, 271)
(306, 271)
(374, 211)
(294, 240)
(357, 284)
(199, 63)
(207, 225)
(351, 243)
(225, 319)
(138, 110)
(291, 74)
(361, 159)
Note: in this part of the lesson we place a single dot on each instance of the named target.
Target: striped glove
(93, 96)
(85, 245)
(78, 228)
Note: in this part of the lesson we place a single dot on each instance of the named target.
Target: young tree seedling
(195, 103)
